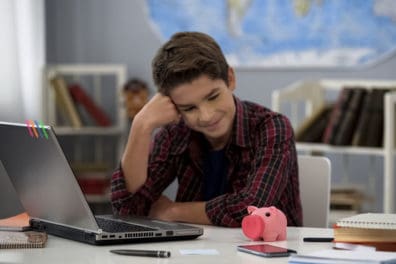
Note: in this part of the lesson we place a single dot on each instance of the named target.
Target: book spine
(313, 128)
(376, 127)
(349, 118)
(66, 101)
(360, 134)
(81, 97)
(336, 115)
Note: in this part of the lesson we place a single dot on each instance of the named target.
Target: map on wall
(262, 33)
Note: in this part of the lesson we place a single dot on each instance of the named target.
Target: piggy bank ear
(251, 209)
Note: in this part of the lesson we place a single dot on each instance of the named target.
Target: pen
(318, 239)
(142, 253)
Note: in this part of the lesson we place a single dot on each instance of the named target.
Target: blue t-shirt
(215, 179)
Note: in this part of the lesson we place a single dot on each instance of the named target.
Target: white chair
(314, 176)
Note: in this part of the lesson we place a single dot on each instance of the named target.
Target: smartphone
(266, 250)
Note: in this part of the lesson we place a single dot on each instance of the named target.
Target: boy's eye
(188, 109)
(213, 97)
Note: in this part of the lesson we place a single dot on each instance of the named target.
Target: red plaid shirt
(262, 169)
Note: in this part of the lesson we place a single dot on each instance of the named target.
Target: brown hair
(185, 57)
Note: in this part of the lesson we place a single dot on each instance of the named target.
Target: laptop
(50, 194)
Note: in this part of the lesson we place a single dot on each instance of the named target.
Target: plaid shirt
(262, 169)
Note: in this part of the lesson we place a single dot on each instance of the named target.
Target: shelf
(310, 96)
(95, 131)
(340, 149)
(89, 143)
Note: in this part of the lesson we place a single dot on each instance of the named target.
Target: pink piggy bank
(266, 223)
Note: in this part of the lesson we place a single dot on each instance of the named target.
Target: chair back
(314, 176)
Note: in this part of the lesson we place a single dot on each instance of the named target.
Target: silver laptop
(49, 192)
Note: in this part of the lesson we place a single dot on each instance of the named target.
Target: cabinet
(90, 143)
(300, 99)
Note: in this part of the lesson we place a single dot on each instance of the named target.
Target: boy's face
(207, 106)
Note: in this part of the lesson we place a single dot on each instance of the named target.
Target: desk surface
(224, 240)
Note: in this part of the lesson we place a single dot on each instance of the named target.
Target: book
(93, 178)
(334, 256)
(376, 128)
(361, 235)
(370, 229)
(65, 101)
(27, 239)
(370, 126)
(347, 198)
(82, 98)
(312, 129)
(349, 119)
(360, 135)
(337, 114)
(19, 222)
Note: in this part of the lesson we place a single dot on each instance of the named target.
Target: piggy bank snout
(253, 226)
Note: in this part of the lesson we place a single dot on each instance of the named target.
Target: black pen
(142, 253)
(318, 239)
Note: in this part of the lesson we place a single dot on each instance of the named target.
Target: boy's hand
(161, 209)
(158, 112)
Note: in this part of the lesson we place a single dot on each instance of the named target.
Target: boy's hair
(186, 57)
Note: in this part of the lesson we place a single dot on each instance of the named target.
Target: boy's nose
(205, 114)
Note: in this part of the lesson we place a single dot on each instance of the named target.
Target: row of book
(93, 178)
(356, 118)
(75, 106)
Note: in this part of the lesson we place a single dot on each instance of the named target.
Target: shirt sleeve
(124, 202)
(158, 178)
(268, 178)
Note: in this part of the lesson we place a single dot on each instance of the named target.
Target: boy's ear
(231, 79)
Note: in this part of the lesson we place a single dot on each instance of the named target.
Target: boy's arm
(189, 212)
(157, 112)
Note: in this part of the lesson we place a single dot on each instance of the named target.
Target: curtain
(22, 53)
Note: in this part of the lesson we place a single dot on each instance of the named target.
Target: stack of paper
(371, 229)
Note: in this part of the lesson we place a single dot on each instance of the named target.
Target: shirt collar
(240, 134)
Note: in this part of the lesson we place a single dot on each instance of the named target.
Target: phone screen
(266, 250)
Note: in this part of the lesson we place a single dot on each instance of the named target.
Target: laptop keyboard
(112, 226)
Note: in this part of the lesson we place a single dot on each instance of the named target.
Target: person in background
(226, 153)
(136, 95)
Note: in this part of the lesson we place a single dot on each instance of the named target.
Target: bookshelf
(90, 143)
(301, 99)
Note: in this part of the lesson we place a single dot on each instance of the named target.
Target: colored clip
(43, 129)
(29, 128)
(33, 128)
(36, 129)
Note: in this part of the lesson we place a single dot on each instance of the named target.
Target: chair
(314, 176)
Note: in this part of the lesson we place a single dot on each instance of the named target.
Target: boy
(225, 153)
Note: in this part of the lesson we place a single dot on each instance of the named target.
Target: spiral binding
(28, 239)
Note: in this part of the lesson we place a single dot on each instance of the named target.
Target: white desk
(224, 240)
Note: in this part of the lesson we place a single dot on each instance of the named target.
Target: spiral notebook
(369, 220)
(28, 239)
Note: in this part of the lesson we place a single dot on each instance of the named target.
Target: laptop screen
(42, 176)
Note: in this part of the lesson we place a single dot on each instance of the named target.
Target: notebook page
(369, 220)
